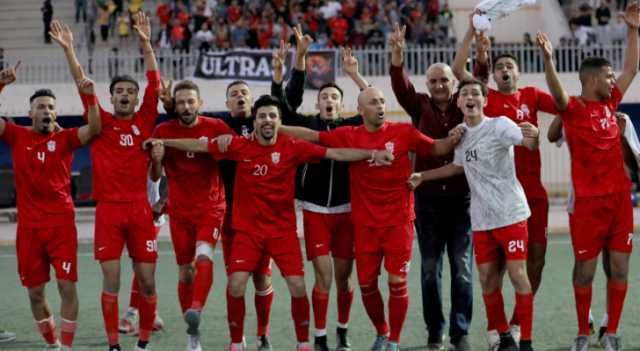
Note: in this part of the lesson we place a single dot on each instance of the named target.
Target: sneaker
(379, 343)
(581, 343)
(493, 339)
(320, 343)
(392, 346)
(158, 323)
(343, 343)
(507, 343)
(115, 348)
(304, 346)
(515, 332)
(611, 342)
(460, 343)
(435, 342)
(6, 336)
(192, 317)
(193, 343)
(55, 346)
(525, 345)
(127, 324)
(264, 344)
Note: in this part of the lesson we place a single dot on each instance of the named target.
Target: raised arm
(143, 29)
(61, 34)
(188, 145)
(630, 69)
(301, 133)
(402, 87)
(295, 87)
(551, 75)
(94, 122)
(302, 47)
(350, 68)
(376, 158)
(459, 65)
(7, 76)
(555, 130)
(397, 43)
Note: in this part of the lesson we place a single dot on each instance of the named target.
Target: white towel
(496, 9)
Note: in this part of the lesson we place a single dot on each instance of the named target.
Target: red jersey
(597, 164)
(42, 166)
(120, 165)
(380, 196)
(265, 182)
(195, 185)
(523, 106)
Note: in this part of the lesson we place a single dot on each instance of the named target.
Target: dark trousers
(442, 222)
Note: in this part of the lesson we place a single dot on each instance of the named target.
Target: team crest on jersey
(522, 112)
(275, 157)
(389, 146)
(245, 131)
(135, 130)
(51, 145)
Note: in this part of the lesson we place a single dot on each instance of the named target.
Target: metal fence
(103, 65)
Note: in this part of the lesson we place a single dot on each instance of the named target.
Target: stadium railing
(104, 64)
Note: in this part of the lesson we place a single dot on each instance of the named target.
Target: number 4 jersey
(486, 154)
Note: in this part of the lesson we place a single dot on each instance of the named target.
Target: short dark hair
(331, 85)
(235, 82)
(483, 87)
(266, 100)
(505, 55)
(40, 93)
(591, 65)
(186, 85)
(123, 78)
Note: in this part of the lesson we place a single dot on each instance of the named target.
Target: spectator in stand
(239, 34)
(177, 35)
(123, 25)
(201, 14)
(339, 27)
(281, 8)
(164, 37)
(163, 11)
(222, 35)
(445, 20)
(81, 9)
(296, 15)
(1, 68)
(330, 9)
(603, 17)
(205, 38)
(234, 12)
(103, 21)
(585, 15)
(281, 31)
(526, 39)
(47, 17)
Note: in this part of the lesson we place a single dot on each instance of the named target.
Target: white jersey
(486, 154)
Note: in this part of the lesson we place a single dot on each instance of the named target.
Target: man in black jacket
(323, 190)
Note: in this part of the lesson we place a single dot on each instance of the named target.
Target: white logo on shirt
(51, 145)
(204, 138)
(406, 266)
(389, 146)
(275, 157)
(135, 130)
(582, 252)
(29, 148)
(245, 131)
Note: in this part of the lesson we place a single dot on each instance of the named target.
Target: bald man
(382, 207)
(442, 207)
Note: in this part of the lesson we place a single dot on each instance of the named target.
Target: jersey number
(66, 266)
(471, 155)
(516, 245)
(40, 155)
(126, 139)
(260, 170)
(152, 246)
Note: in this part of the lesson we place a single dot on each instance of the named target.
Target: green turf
(554, 326)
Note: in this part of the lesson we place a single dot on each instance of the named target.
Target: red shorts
(324, 233)
(37, 248)
(186, 232)
(118, 223)
(537, 223)
(394, 244)
(228, 234)
(250, 249)
(601, 222)
(512, 241)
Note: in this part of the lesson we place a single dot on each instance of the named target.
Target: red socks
(300, 314)
(109, 303)
(263, 300)
(147, 316)
(494, 305)
(47, 328)
(185, 295)
(398, 307)
(320, 302)
(134, 299)
(235, 317)
(374, 306)
(345, 299)
(67, 332)
(617, 291)
(524, 311)
(202, 283)
(583, 303)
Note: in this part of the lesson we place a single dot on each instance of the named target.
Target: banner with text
(249, 65)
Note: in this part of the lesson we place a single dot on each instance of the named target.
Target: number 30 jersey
(486, 154)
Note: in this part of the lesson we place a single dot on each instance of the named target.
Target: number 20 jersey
(486, 153)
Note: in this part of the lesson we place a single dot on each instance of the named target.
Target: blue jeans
(442, 221)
